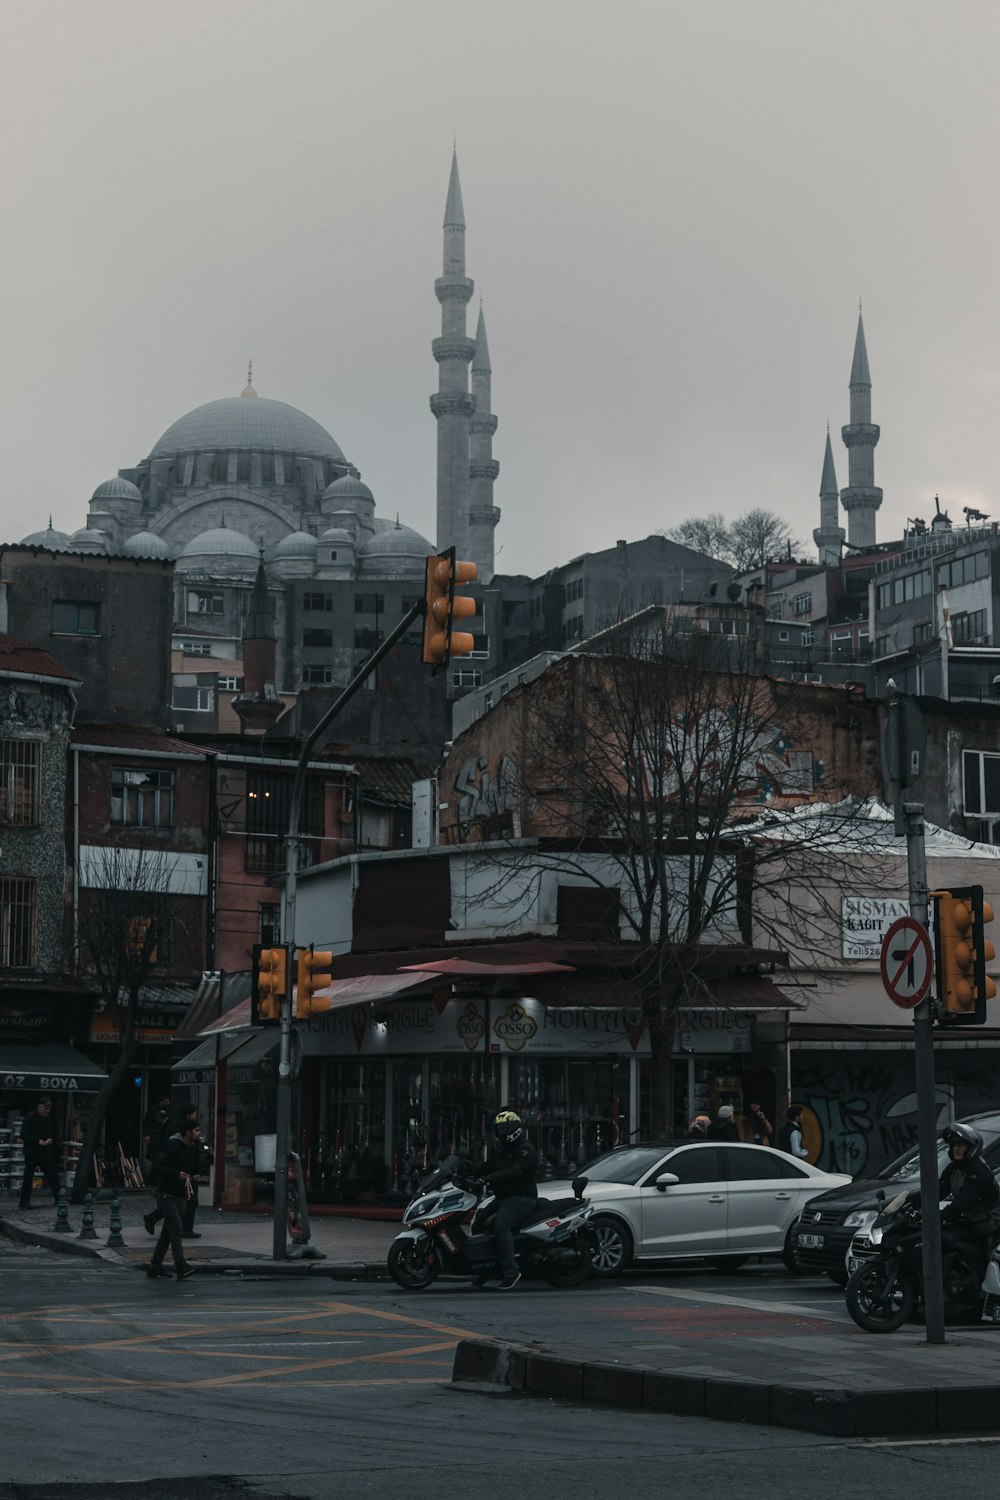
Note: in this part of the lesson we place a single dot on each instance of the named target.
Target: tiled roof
(135, 739)
(20, 656)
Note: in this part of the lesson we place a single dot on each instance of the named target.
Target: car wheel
(788, 1258)
(728, 1262)
(612, 1246)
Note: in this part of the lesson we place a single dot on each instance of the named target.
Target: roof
(20, 657)
(98, 737)
(260, 425)
(860, 373)
(854, 827)
(221, 541)
(389, 778)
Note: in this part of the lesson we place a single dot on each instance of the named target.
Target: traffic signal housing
(268, 984)
(442, 607)
(315, 972)
(962, 953)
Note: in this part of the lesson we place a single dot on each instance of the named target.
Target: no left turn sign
(906, 962)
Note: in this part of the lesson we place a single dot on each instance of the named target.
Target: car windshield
(626, 1165)
(908, 1165)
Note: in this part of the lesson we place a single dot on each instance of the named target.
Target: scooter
(886, 1282)
(449, 1230)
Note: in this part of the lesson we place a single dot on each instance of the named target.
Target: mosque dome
(117, 489)
(88, 539)
(259, 425)
(348, 487)
(399, 552)
(146, 544)
(298, 545)
(223, 541)
(55, 541)
(339, 536)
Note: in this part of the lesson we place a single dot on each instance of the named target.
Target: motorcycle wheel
(569, 1275)
(410, 1268)
(868, 1305)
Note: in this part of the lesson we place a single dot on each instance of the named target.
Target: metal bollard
(62, 1224)
(114, 1240)
(87, 1230)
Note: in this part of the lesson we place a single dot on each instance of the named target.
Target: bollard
(87, 1230)
(114, 1240)
(62, 1224)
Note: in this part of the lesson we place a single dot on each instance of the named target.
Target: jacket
(512, 1170)
(175, 1158)
(36, 1128)
(972, 1188)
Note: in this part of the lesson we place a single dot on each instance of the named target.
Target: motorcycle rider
(512, 1172)
(970, 1184)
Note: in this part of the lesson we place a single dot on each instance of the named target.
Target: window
(317, 672)
(269, 924)
(20, 782)
(487, 701)
(197, 699)
(981, 775)
(142, 799)
(697, 1164)
(807, 636)
(751, 1165)
(367, 638)
(228, 684)
(268, 799)
(802, 604)
(319, 638)
(782, 635)
(196, 648)
(317, 603)
(467, 677)
(504, 689)
(267, 468)
(883, 645)
(369, 604)
(574, 590)
(883, 595)
(480, 645)
(18, 922)
(776, 610)
(522, 678)
(923, 630)
(75, 617)
(141, 928)
(205, 604)
(969, 627)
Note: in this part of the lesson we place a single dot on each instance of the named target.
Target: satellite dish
(733, 592)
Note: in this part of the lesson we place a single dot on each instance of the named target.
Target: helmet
(508, 1127)
(963, 1135)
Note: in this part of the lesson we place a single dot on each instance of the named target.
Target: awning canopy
(472, 969)
(342, 992)
(51, 1067)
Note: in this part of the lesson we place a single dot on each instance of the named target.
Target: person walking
(790, 1134)
(174, 1167)
(757, 1128)
(204, 1158)
(723, 1127)
(511, 1172)
(39, 1151)
(698, 1128)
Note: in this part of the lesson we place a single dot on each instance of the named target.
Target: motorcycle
(886, 1281)
(555, 1242)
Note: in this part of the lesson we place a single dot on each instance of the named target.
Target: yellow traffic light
(442, 607)
(963, 951)
(270, 975)
(315, 972)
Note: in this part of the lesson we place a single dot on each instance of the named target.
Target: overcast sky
(672, 211)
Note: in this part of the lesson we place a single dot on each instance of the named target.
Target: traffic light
(315, 973)
(267, 991)
(963, 950)
(442, 607)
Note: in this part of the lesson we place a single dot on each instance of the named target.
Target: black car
(822, 1234)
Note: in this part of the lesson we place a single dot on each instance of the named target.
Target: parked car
(822, 1237)
(675, 1200)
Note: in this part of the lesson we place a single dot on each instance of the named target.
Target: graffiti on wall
(857, 1117)
(484, 794)
(766, 767)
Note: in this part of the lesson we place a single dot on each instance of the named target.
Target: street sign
(907, 962)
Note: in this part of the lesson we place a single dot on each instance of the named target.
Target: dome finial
(249, 389)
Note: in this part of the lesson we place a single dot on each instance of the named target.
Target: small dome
(348, 487)
(298, 544)
(338, 536)
(146, 544)
(223, 541)
(88, 539)
(116, 489)
(55, 541)
(399, 553)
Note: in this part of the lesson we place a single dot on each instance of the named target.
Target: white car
(716, 1200)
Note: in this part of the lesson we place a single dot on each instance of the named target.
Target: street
(117, 1385)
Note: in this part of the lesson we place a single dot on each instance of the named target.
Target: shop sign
(156, 1029)
(865, 921)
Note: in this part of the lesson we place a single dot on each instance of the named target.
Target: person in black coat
(512, 1173)
(204, 1157)
(968, 1181)
(724, 1127)
(39, 1151)
(175, 1166)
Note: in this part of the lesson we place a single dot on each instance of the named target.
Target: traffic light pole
(283, 1122)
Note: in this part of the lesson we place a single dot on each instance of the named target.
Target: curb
(830, 1410)
(69, 1244)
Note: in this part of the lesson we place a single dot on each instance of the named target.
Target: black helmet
(963, 1135)
(508, 1127)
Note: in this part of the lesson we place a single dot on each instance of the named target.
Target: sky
(673, 209)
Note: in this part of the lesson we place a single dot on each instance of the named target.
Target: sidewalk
(233, 1242)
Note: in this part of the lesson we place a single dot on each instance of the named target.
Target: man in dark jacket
(39, 1151)
(968, 1181)
(175, 1166)
(512, 1173)
(723, 1127)
(204, 1158)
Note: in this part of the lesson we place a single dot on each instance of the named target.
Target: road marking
(782, 1309)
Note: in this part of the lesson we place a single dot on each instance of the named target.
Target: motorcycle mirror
(578, 1184)
(665, 1180)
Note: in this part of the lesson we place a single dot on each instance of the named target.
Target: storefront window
(409, 1137)
(351, 1163)
(463, 1106)
(573, 1110)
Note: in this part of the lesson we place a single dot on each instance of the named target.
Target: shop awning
(51, 1067)
(471, 969)
(204, 1057)
(342, 992)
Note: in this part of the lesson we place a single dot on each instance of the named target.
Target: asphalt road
(117, 1387)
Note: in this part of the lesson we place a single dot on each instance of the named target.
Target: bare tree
(757, 537)
(709, 534)
(661, 772)
(126, 911)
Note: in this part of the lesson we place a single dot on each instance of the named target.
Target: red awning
(342, 992)
(469, 967)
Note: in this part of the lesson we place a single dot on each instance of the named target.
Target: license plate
(852, 1264)
(811, 1241)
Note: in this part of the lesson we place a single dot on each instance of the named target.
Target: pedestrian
(698, 1129)
(204, 1157)
(39, 1151)
(757, 1128)
(723, 1127)
(174, 1168)
(790, 1134)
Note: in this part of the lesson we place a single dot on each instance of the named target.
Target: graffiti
(765, 767)
(482, 795)
(857, 1118)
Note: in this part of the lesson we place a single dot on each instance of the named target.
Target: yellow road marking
(148, 1385)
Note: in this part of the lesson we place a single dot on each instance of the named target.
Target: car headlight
(861, 1218)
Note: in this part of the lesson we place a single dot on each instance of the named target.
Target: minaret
(258, 705)
(453, 405)
(862, 497)
(483, 467)
(828, 536)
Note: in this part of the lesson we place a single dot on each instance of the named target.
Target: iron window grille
(18, 922)
(20, 782)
